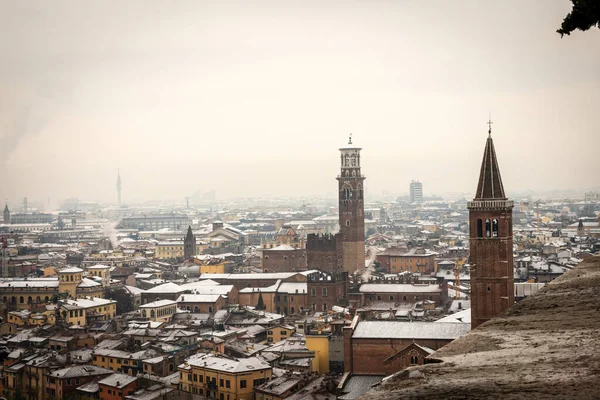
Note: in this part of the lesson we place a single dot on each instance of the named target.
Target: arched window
(494, 227)
(152, 314)
(403, 298)
(353, 173)
(488, 228)
(347, 222)
(21, 299)
(479, 228)
(324, 306)
(414, 360)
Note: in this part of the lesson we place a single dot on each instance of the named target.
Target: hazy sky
(255, 97)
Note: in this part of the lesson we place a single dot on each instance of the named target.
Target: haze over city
(255, 99)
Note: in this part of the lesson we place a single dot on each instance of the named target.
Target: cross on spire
(350, 139)
(490, 125)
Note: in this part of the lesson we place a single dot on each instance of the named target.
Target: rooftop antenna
(350, 139)
(490, 126)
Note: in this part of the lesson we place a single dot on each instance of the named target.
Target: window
(313, 292)
(201, 379)
(195, 377)
(324, 292)
(479, 228)
(221, 382)
(414, 360)
(324, 306)
(283, 333)
(494, 227)
(227, 383)
(347, 222)
(488, 228)
(391, 298)
(243, 384)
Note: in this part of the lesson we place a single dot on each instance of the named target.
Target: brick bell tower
(491, 242)
(351, 206)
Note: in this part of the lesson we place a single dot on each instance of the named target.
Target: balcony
(490, 204)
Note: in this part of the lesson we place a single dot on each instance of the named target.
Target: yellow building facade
(319, 343)
(83, 311)
(167, 250)
(278, 333)
(68, 280)
(223, 378)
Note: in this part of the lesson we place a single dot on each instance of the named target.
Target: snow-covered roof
(293, 287)
(167, 288)
(89, 302)
(38, 283)
(70, 270)
(85, 282)
(409, 330)
(99, 266)
(204, 289)
(463, 316)
(399, 288)
(212, 362)
(158, 303)
(118, 380)
(198, 298)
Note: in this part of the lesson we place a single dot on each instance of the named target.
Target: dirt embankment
(547, 346)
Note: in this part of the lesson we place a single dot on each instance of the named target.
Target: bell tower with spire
(189, 244)
(351, 209)
(491, 242)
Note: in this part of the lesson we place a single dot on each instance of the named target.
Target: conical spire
(190, 234)
(490, 183)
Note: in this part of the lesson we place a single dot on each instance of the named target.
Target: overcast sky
(254, 98)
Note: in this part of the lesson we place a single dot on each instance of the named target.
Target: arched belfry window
(494, 227)
(479, 228)
(347, 193)
(347, 222)
(488, 228)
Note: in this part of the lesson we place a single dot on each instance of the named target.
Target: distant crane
(457, 269)
(3, 254)
(537, 213)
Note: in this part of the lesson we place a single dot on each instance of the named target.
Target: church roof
(490, 183)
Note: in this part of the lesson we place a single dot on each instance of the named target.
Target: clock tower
(351, 209)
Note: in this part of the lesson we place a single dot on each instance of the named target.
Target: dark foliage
(585, 15)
